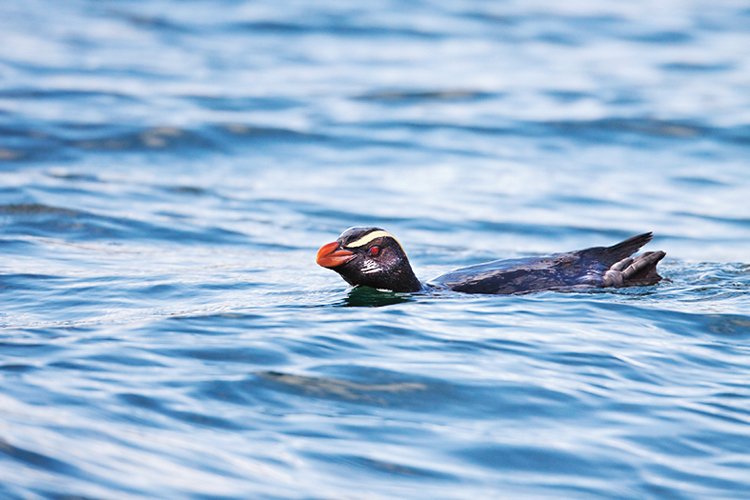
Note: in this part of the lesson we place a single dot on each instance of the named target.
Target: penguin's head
(370, 256)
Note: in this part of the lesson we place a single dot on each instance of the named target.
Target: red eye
(374, 251)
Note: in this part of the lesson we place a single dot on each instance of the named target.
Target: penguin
(373, 257)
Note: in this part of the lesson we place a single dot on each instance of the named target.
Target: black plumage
(388, 267)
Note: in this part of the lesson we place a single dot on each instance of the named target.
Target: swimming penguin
(371, 256)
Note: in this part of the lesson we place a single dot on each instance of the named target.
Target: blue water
(168, 170)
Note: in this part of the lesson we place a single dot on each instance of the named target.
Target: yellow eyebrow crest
(364, 240)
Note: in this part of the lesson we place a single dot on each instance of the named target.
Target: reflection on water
(323, 387)
(363, 296)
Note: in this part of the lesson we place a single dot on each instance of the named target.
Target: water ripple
(168, 173)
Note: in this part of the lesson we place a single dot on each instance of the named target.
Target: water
(168, 170)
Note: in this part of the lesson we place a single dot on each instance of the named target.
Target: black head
(370, 256)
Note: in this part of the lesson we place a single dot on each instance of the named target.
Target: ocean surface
(168, 170)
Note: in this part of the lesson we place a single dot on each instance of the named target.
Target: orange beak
(330, 255)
